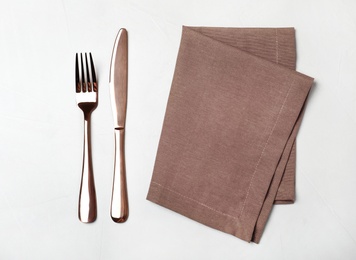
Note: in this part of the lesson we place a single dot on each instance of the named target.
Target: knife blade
(118, 91)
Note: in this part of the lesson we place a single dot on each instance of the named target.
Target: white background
(41, 130)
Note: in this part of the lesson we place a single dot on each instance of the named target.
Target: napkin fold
(227, 147)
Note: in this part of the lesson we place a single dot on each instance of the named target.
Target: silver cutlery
(87, 99)
(118, 91)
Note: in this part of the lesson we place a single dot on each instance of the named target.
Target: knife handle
(87, 197)
(119, 201)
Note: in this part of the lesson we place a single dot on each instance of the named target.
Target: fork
(87, 100)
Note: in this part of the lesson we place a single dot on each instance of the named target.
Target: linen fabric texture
(227, 150)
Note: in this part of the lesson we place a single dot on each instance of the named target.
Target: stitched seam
(277, 46)
(201, 204)
(263, 150)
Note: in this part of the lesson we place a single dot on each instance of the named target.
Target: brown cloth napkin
(227, 148)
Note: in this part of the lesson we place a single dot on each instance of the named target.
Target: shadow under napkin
(227, 148)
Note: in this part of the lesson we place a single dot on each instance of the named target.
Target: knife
(118, 91)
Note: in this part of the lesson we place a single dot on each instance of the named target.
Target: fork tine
(77, 80)
(93, 76)
(84, 88)
(87, 71)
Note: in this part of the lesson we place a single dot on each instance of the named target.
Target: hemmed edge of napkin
(276, 181)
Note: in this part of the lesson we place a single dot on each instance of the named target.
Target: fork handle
(87, 197)
(119, 201)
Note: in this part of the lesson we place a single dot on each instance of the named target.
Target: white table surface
(41, 130)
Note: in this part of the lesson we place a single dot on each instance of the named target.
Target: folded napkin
(227, 147)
